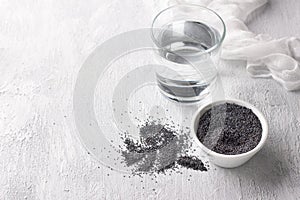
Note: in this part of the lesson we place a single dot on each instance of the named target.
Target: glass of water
(188, 40)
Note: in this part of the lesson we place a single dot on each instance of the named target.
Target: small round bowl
(229, 161)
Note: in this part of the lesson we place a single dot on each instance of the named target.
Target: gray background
(42, 46)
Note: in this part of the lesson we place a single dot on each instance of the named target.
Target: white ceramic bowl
(229, 161)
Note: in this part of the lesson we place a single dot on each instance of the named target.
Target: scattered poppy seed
(159, 149)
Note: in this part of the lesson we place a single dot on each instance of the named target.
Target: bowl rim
(202, 109)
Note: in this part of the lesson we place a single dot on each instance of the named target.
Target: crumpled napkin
(265, 56)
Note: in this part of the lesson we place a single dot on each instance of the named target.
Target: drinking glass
(188, 40)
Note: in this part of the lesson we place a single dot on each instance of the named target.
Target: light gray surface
(42, 46)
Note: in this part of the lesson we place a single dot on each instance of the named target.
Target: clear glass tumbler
(188, 40)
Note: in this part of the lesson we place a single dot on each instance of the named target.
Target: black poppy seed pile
(160, 148)
(191, 162)
(229, 129)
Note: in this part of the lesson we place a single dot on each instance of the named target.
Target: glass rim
(209, 50)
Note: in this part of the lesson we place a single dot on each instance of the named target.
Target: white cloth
(266, 57)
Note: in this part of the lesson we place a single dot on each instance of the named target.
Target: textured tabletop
(42, 47)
